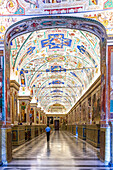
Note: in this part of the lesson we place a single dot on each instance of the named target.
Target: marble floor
(64, 151)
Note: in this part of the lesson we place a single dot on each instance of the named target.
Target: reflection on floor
(63, 151)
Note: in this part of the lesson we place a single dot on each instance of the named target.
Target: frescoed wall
(104, 17)
(30, 7)
(108, 4)
(1, 84)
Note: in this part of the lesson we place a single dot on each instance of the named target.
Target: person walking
(48, 132)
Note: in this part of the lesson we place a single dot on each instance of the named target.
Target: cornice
(14, 84)
(25, 98)
(33, 104)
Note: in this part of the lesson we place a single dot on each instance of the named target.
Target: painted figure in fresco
(22, 77)
(33, 3)
(11, 6)
(23, 115)
(93, 2)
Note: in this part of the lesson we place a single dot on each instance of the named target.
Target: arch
(50, 22)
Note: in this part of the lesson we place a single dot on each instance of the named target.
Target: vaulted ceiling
(56, 66)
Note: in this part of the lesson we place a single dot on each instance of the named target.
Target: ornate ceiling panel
(55, 65)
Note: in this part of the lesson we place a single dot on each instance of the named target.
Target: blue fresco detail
(56, 69)
(111, 106)
(26, 71)
(77, 78)
(43, 87)
(56, 91)
(56, 41)
(82, 50)
(57, 96)
(73, 74)
(11, 43)
(30, 50)
(56, 82)
(39, 74)
(22, 77)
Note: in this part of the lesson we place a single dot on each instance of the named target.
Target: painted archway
(51, 22)
(43, 23)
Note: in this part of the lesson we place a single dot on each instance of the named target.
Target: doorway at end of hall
(56, 123)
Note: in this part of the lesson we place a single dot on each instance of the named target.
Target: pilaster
(42, 113)
(105, 144)
(6, 145)
(0, 143)
(14, 88)
(34, 107)
(111, 144)
(39, 112)
(24, 109)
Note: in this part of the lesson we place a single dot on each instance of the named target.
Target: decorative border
(49, 22)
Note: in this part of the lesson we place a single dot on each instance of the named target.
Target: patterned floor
(63, 151)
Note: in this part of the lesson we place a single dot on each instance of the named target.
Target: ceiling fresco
(55, 65)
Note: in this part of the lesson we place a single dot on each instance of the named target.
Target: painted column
(105, 107)
(111, 144)
(0, 143)
(14, 88)
(107, 118)
(46, 120)
(24, 102)
(18, 110)
(34, 107)
(39, 110)
(41, 115)
(35, 117)
(5, 118)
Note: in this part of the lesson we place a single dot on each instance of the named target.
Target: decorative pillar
(14, 88)
(106, 88)
(0, 143)
(39, 110)
(46, 120)
(42, 112)
(6, 144)
(34, 107)
(24, 109)
(2, 102)
(41, 117)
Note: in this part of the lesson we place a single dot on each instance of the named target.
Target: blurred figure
(48, 132)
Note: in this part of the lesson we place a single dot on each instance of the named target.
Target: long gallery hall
(56, 85)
